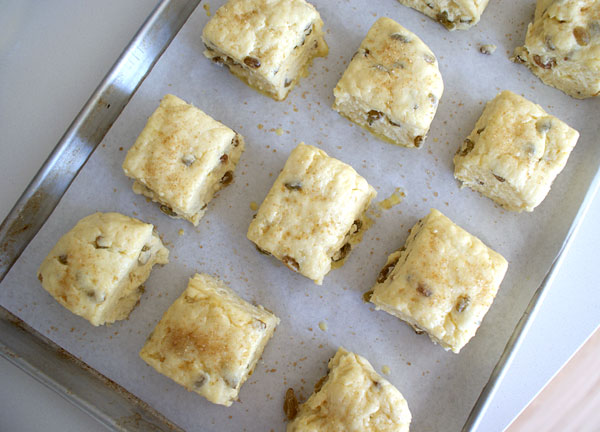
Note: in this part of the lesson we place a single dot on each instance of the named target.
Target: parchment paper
(440, 387)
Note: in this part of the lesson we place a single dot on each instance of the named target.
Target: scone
(268, 44)
(352, 398)
(314, 214)
(392, 85)
(209, 340)
(452, 14)
(514, 153)
(562, 46)
(442, 282)
(97, 269)
(182, 158)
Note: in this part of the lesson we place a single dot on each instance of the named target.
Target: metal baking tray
(99, 396)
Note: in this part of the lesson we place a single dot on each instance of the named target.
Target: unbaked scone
(514, 153)
(442, 281)
(452, 14)
(314, 213)
(182, 158)
(97, 269)
(392, 85)
(209, 340)
(562, 46)
(268, 44)
(352, 398)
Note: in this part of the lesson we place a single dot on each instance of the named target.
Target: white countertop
(53, 55)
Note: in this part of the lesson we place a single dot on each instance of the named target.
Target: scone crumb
(386, 369)
(394, 199)
(279, 131)
(253, 206)
(180, 232)
(323, 325)
(487, 49)
(206, 7)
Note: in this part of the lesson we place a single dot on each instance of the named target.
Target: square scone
(209, 340)
(442, 281)
(314, 214)
(268, 44)
(454, 14)
(97, 269)
(392, 85)
(514, 153)
(353, 398)
(562, 46)
(182, 158)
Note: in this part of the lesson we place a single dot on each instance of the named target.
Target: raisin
(290, 404)
(287, 82)
(543, 125)
(519, 59)
(366, 52)
(291, 263)
(236, 140)
(262, 251)
(582, 36)
(373, 116)
(500, 179)
(227, 178)
(294, 186)
(418, 141)
(62, 259)
(259, 325)
(487, 49)
(101, 243)
(462, 303)
(188, 160)
(224, 158)
(342, 253)
(144, 257)
(424, 290)
(308, 30)
(40, 277)
(356, 226)
(231, 380)
(252, 62)
(386, 271)
(444, 20)
(548, 64)
(319, 384)
(480, 130)
(367, 296)
(466, 148)
(400, 37)
(418, 330)
(200, 381)
(167, 210)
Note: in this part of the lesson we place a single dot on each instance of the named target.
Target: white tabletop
(53, 55)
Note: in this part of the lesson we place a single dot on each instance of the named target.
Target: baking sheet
(440, 387)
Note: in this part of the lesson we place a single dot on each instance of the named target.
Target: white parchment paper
(440, 387)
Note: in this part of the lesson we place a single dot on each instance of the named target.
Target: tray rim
(24, 221)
